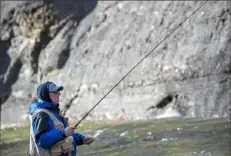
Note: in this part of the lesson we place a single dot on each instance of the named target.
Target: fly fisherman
(50, 133)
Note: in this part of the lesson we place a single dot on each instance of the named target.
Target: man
(50, 132)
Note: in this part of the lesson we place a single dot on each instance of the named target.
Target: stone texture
(90, 48)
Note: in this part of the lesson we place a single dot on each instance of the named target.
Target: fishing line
(139, 63)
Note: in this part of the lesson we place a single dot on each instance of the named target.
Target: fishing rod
(76, 125)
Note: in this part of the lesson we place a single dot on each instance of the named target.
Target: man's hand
(88, 140)
(69, 131)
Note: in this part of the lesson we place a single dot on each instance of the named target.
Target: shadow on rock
(4, 65)
(11, 79)
(4, 57)
(78, 9)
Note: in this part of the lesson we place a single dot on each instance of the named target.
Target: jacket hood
(43, 92)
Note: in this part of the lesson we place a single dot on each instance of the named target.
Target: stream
(162, 137)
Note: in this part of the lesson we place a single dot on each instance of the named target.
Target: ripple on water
(123, 133)
(206, 153)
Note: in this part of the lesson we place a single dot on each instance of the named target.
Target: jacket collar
(45, 105)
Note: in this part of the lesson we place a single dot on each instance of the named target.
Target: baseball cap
(52, 87)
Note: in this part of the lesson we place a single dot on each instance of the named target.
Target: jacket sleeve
(78, 138)
(45, 137)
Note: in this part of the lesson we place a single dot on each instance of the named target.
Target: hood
(43, 93)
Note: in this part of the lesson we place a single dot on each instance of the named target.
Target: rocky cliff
(88, 46)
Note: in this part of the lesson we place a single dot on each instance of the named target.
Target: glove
(69, 131)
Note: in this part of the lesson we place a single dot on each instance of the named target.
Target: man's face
(55, 97)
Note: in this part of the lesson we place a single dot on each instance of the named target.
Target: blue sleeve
(50, 138)
(46, 137)
(78, 138)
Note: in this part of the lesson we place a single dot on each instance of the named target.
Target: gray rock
(91, 49)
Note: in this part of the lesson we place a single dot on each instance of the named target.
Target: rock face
(88, 46)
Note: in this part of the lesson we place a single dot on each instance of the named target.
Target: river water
(162, 137)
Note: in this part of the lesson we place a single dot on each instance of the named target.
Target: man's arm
(44, 136)
(81, 139)
(78, 138)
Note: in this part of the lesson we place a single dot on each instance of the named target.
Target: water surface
(163, 137)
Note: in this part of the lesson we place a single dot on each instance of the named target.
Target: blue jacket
(46, 135)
